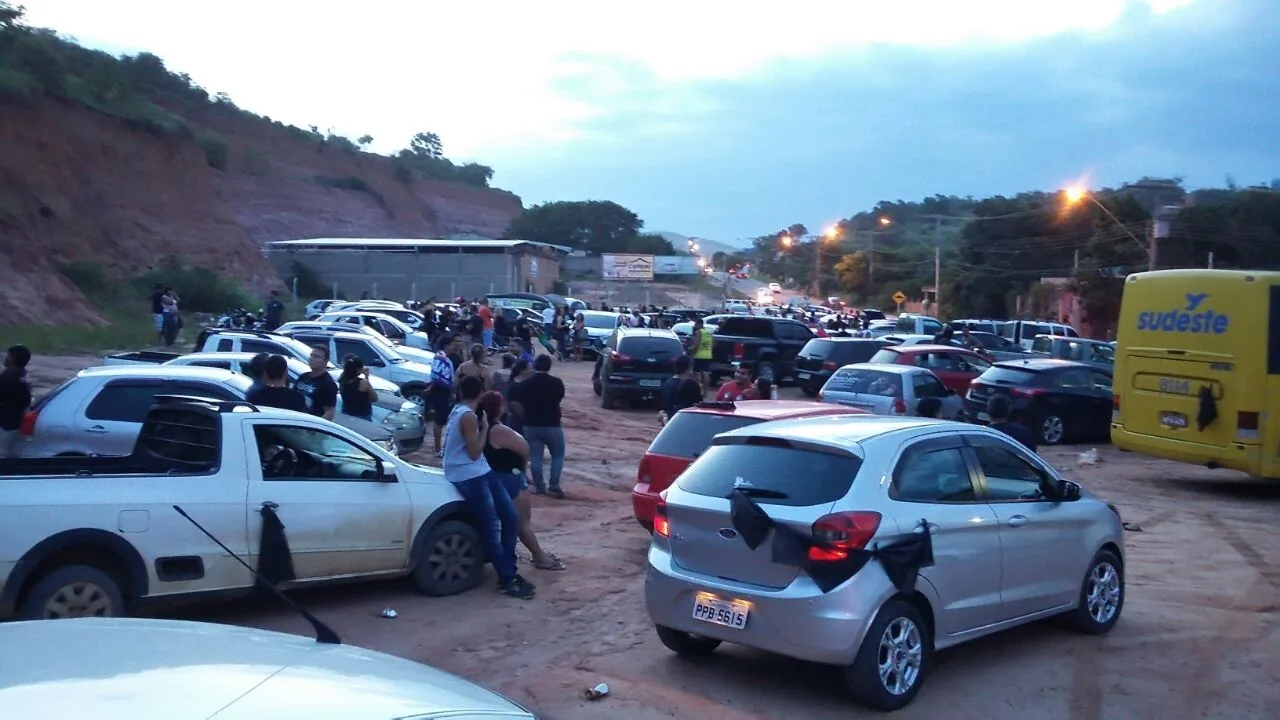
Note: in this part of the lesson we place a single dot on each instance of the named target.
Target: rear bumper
(1246, 458)
(799, 621)
(643, 502)
(624, 384)
(815, 381)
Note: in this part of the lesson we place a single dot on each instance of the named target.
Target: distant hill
(706, 248)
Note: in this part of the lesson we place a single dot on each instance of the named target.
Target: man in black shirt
(318, 386)
(539, 400)
(998, 409)
(681, 390)
(15, 399)
(275, 311)
(273, 390)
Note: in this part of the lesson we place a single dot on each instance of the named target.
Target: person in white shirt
(634, 320)
(548, 316)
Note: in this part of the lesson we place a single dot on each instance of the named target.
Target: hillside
(118, 163)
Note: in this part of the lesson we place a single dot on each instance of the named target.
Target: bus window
(1273, 333)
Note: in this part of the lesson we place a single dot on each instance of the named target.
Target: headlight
(402, 420)
(391, 446)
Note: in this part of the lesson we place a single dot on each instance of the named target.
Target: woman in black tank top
(354, 388)
(508, 455)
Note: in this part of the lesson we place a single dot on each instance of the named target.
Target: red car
(689, 433)
(956, 367)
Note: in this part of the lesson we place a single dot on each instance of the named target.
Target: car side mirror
(1066, 491)
(385, 475)
(376, 362)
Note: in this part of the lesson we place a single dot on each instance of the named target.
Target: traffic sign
(899, 297)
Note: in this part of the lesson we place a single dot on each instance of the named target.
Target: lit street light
(786, 241)
(1075, 195)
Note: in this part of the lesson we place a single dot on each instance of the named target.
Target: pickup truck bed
(141, 357)
(78, 467)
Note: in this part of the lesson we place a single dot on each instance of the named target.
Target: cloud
(723, 120)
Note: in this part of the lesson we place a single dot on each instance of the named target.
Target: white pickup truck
(96, 536)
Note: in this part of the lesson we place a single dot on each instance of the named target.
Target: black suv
(821, 357)
(634, 363)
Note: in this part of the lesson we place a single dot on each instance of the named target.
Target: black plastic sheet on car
(901, 559)
(275, 563)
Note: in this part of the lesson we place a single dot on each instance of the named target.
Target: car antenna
(324, 633)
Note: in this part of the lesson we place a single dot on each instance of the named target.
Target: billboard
(675, 265)
(626, 267)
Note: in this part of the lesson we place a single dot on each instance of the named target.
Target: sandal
(554, 564)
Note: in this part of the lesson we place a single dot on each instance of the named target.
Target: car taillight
(829, 365)
(973, 383)
(28, 426)
(739, 351)
(616, 356)
(1025, 391)
(899, 406)
(838, 534)
(1115, 407)
(642, 475)
(661, 525)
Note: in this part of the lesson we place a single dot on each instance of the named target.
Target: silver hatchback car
(1011, 542)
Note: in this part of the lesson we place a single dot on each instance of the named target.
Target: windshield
(601, 322)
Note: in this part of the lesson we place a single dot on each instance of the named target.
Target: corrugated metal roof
(376, 243)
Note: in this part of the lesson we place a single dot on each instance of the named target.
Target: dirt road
(1198, 638)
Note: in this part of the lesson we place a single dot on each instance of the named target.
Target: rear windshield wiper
(763, 493)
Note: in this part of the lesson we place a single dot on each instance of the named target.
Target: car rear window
(746, 327)
(856, 352)
(688, 434)
(1008, 376)
(865, 381)
(644, 347)
(818, 348)
(885, 356)
(774, 474)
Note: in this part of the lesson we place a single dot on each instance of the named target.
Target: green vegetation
(594, 226)
(36, 62)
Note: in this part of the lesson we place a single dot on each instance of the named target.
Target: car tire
(900, 635)
(595, 386)
(809, 391)
(416, 395)
(1101, 596)
(451, 560)
(1051, 428)
(686, 645)
(766, 371)
(73, 591)
(606, 398)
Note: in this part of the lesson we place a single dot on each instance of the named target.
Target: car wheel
(1052, 429)
(452, 560)
(595, 386)
(416, 396)
(765, 371)
(890, 665)
(606, 397)
(1101, 596)
(74, 591)
(686, 644)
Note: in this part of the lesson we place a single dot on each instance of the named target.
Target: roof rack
(247, 331)
(218, 404)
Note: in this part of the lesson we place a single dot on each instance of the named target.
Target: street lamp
(786, 240)
(1076, 194)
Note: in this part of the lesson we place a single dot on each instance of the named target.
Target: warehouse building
(418, 269)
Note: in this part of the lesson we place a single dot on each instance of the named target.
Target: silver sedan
(846, 506)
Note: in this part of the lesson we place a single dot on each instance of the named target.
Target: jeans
(499, 522)
(552, 438)
(487, 338)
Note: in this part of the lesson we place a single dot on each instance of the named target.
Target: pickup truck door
(339, 518)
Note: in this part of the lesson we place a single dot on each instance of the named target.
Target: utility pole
(937, 266)
(817, 266)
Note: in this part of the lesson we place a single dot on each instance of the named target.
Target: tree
(851, 271)
(651, 244)
(364, 140)
(594, 226)
(475, 174)
(427, 144)
(11, 15)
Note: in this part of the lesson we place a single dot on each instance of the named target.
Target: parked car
(1094, 353)
(143, 668)
(889, 389)
(316, 307)
(391, 410)
(909, 324)
(993, 347)
(685, 328)
(384, 324)
(775, 288)
(634, 364)
(1057, 399)
(767, 344)
(1023, 332)
(956, 367)
(96, 536)
(599, 326)
(688, 434)
(820, 357)
(994, 513)
(991, 327)
(412, 376)
(412, 318)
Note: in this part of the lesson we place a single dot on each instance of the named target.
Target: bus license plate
(727, 613)
(1173, 420)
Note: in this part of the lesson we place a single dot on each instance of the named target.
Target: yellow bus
(1197, 369)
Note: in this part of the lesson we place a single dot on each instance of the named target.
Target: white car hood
(174, 670)
(415, 355)
(410, 371)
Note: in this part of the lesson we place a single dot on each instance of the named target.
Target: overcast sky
(721, 120)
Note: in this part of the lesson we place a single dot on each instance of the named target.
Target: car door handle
(268, 505)
(1017, 521)
(96, 430)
